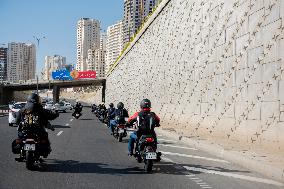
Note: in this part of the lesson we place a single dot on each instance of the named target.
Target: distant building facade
(134, 13)
(21, 61)
(114, 43)
(53, 63)
(88, 37)
(96, 58)
(3, 64)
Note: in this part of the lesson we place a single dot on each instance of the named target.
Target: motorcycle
(77, 113)
(120, 132)
(146, 152)
(103, 116)
(31, 147)
(93, 108)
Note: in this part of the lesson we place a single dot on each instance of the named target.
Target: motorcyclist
(102, 106)
(110, 113)
(145, 106)
(102, 112)
(34, 107)
(119, 116)
(77, 108)
(94, 107)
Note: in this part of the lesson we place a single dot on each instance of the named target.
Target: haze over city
(56, 21)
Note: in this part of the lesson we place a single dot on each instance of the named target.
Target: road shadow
(61, 126)
(166, 142)
(71, 166)
(211, 168)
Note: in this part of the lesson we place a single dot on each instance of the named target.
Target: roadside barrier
(4, 110)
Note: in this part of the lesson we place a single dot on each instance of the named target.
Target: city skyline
(51, 29)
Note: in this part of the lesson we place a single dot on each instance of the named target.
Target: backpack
(119, 117)
(30, 119)
(146, 121)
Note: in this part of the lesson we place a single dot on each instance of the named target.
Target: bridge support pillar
(6, 96)
(56, 92)
(104, 91)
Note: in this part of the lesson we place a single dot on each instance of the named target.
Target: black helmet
(120, 105)
(111, 105)
(145, 103)
(33, 98)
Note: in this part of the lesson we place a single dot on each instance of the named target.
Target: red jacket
(133, 118)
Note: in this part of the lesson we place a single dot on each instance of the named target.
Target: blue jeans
(112, 125)
(131, 142)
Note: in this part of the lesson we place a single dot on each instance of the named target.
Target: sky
(56, 20)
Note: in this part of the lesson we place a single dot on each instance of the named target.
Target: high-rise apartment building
(21, 61)
(53, 63)
(3, 64)
(114, 43)
(146, 7)
(134, 13)
(88, 37)
(96, 58)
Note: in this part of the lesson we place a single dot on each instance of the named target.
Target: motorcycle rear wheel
(29, 160)
(120, 137)
(148, 165)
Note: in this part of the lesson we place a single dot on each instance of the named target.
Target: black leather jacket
(44, 115)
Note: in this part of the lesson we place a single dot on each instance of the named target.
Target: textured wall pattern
(211, 69)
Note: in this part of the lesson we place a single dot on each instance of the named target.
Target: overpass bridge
(7, 91)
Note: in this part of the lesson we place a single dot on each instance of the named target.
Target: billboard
(73, 75)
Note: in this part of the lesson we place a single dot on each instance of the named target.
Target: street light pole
(37, 84)
(38, 40)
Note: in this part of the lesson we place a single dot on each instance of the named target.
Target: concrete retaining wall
(212, 69)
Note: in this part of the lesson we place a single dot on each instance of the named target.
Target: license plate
(151, 155)
(120, 131)
(77, 114)
(29, 147)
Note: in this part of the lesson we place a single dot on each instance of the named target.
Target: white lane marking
(190, 176)
(207, 187)
(67, 124)
(166, 140)
(60, 132)
(167, 160)
(194, 178)
(244, 177)
(196, 157)
(198, 181)
(71, 119)
(169, 145)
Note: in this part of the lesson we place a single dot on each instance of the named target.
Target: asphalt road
(85, 155)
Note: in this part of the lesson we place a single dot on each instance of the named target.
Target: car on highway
(49, 105)
(68, 105)
(60, 107)
(13, 110)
